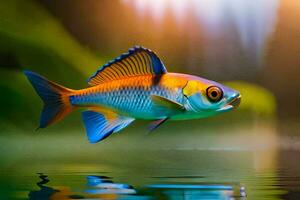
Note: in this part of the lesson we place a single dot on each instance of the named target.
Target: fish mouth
(234, 103)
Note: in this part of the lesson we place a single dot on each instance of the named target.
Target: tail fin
(55, 97)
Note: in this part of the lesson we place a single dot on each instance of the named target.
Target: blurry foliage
(255, 98)
(39, 42)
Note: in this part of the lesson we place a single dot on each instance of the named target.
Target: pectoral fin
(155, 124)
(167, 103)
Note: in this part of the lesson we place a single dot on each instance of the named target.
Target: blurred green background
(253, 50)
(251, 46)
(67, 41)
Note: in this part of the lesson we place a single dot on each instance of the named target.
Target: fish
(133, 86)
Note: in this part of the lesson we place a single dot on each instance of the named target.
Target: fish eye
(214, 93)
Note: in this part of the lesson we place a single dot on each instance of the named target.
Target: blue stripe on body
(89, 99)
(137, 101)
(133, 101)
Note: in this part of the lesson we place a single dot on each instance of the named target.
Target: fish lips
(234, 103)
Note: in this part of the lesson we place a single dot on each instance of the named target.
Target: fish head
(207, 97)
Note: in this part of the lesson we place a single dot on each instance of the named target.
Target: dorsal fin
(137, 61)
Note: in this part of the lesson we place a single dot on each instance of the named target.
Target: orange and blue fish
(135, 85)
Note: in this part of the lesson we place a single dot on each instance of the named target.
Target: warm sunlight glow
(253, 21)
(158, 8)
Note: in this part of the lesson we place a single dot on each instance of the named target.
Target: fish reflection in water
(45, 192)
(207, 192)
(102, 187)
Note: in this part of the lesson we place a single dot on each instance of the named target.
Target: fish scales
(131, 95)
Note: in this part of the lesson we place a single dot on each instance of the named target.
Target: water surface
(256, 161)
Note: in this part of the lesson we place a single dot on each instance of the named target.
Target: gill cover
(191, 88)
(194, 92)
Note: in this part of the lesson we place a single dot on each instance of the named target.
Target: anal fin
(101, 125)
